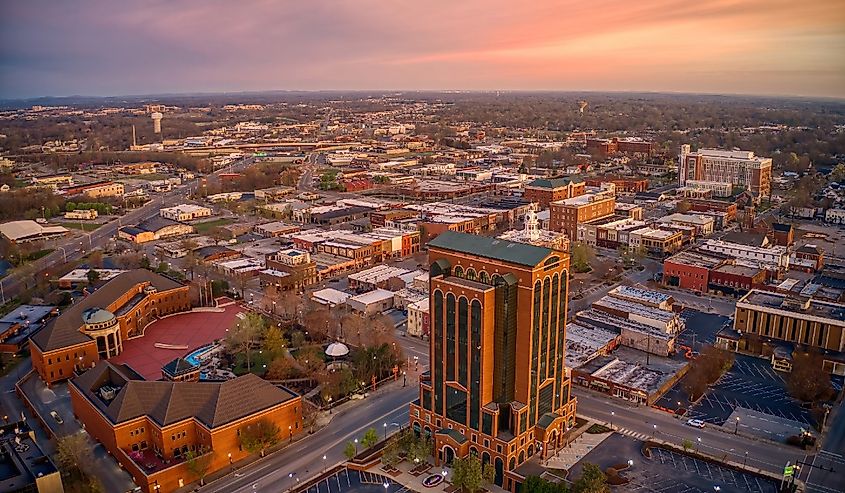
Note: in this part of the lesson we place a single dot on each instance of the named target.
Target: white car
(696, 423)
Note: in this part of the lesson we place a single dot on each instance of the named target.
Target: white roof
(420, 306)
(377, 274)
(79, 275)
(374, 296)
(18, 230)
(330, 296)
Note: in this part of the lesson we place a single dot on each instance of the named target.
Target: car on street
(56, 416)
(697, 423)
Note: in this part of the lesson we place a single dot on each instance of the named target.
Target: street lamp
(745, 460)
(356, 446)
(630, 462)
(324, 463)
(736, 426)
(699, 443)
(290, 433)
(654, 430)
(385, 431)
(612, 414)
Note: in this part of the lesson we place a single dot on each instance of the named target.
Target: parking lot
(751, 384)
(701, 328)
(668, 471)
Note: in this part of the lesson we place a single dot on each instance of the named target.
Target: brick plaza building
(498, 386)
(96, 327)
(150, 427)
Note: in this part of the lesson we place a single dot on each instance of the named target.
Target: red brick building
(547, 190)
(733, 278)
(615, 144)
(627, 185)
(150, 427)
(95, 327)
(701, 205)
(690, 270)
(783, 234)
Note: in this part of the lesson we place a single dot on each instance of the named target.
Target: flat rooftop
(696, 258)
(834, 312)
(627, 366)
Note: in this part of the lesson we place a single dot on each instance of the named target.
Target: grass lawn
(87, 227)
(209, 225)
(257, 361)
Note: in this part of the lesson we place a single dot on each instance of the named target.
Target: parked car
(697, 423)
(56, 416)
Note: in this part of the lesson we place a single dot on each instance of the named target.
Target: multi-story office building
(741, 168)
(798, 321)
(567, 214)
(498, 386)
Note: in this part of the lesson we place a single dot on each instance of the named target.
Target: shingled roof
(482, 246)
(64, 330)
(212, 403)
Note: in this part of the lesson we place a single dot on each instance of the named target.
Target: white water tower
(156, 121)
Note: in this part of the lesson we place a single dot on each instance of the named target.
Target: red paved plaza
(189, 329)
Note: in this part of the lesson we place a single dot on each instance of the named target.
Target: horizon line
(443, 91)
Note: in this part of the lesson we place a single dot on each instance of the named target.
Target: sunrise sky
(110, 47)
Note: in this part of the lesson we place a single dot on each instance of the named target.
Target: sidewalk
(570, 455)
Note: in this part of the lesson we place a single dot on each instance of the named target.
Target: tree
(417, 448)
(311, 361)
(351, 327)
(390, 455)
(808, 380)
(536, 484)
(280, 368)
(592, 480)
(370, 438)
(705, 369)
(259, 436)
(350, 450)
(467, 473)
(244, 335)
(73, 453)
(288, 305)
(199, 461)
(318, 322)
(687, 444)
(838, 173)
(488, 474)
(274, 341)
(582, 256)
(95, 259)
(93, 276)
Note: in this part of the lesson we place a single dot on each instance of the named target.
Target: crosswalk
(633, 434)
